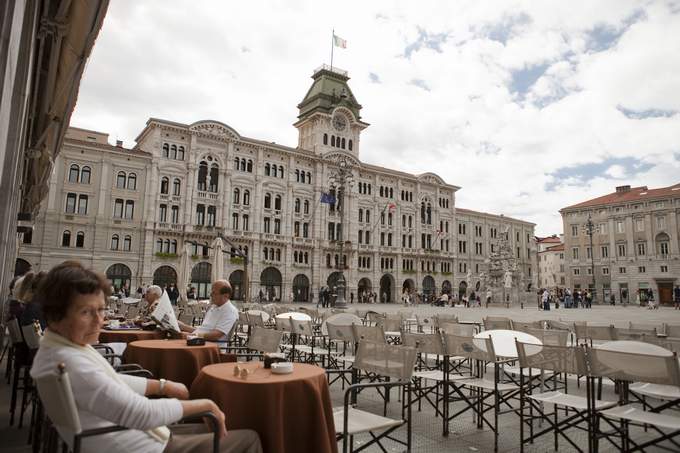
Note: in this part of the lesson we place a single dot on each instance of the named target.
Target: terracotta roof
(630, 195)
(549, 239)
(555, 248)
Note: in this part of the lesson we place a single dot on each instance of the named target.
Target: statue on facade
(508, 279)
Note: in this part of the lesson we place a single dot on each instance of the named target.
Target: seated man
(220, 317)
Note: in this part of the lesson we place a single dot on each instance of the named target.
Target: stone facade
(635, 243)
(191, 183)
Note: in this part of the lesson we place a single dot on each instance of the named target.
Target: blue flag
(327, 198)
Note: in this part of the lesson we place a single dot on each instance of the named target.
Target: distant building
(131, 212)
(551, 262)
(634, 243)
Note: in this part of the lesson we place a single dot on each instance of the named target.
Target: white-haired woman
(152, 296)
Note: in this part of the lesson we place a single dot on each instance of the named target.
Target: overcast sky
(529, 106)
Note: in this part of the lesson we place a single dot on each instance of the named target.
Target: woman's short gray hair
(155, 289)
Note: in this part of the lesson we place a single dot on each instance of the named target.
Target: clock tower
(329, 118)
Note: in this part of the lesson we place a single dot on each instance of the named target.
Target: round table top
(264, 314)
(295, 315)
(636, 347)
(259, 375)
(169, 344)
(504, 341)
(340, 319)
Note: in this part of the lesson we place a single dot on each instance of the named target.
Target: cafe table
(128, 335)
(292, 413)
(296, 315)
(172, 359)
(504, 341)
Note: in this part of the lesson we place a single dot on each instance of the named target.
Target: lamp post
(341, 179)
(589, 227)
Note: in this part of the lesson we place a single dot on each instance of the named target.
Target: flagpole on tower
(332, 45)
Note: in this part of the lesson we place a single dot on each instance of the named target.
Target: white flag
(339, 42)
(164, 315)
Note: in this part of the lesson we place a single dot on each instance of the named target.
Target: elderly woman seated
(152, 296)
(72, 299)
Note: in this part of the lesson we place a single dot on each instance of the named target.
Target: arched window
(132, 181)
(350, 145)
(277, 202)
(343, 144)
(267, 201)
(246, 197)
(173, 245)
(127, 243)
(243, 165)
(176, 187)
(120, 275)
(275, 171)
(332, 140)
(80, 239)
(159, 246)
(120, 180)
(73, 173)
(129, 209)
(114, 242)
(328, 260)
(361, 215)
(297, 206)
(381, 191)
(166, 150)
(267, 169)
(306, 207)
(281, 171)
(278, 254)
(309, 178)
(429, 214)
(297, 175)
(85, 175)
(166, 246)
(173, 152)
(325, 139)
(295, 256)
(200, 279)
(214, 177)
(236, 162)
(234, 221)
(368, 216)
(245, 222)
(391, 193)
(66, 238)
(164, 185)
(265, 252)
(237, 196)
(180, 153)
(249, 167)
(203, 176)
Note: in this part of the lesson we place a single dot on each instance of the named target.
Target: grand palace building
(152, 213)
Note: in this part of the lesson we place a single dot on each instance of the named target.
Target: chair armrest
(141, 373)
(103, 430)
(198, 418)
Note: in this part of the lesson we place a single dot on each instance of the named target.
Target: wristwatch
(161, 388)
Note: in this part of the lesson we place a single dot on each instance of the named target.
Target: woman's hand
(176, 390)
(221, 425)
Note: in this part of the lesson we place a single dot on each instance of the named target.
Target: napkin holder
(282, 368)
(273, 358)
(195, 341)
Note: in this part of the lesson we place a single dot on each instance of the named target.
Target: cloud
(528, 106)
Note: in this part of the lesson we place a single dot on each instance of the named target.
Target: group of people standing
(567, 299)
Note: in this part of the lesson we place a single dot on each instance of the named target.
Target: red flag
(391, 206)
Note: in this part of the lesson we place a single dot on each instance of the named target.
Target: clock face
(339, 122)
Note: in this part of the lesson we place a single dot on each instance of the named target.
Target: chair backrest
(57, 399)
(132, 312)
(463, 330)
(375, 334)
(284, 324)
(391, 324)
(426, 343)
(385, 360)
(374, 317)
(340, 319)
(425, 322)
(265, 340)
(594, 333)
(650, 328)
(339, 332)
(633, 334)
(560, 325)
(444, 318)
(302, 327)
(243, 318)
(551, 337)
(32, 335)
(633, 367)
(561, 359)
(187, 318)
(14, 331)
(255, 319)
(469, 347)
(524, 326)
(497, 322)
(671, 330)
